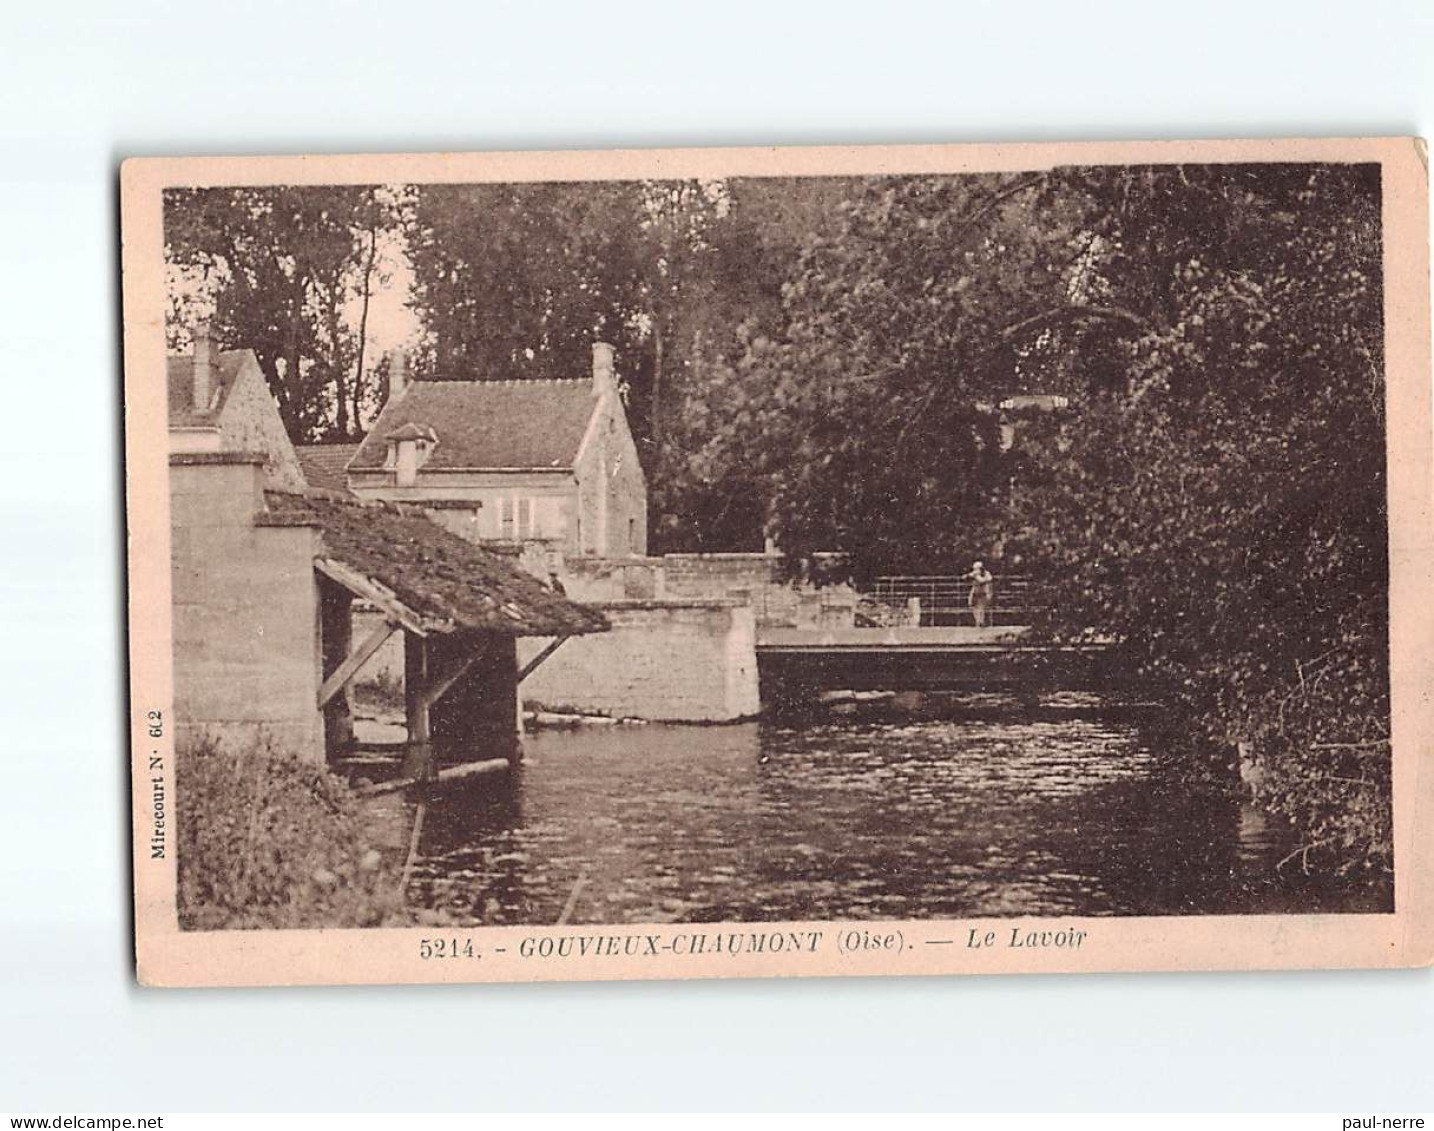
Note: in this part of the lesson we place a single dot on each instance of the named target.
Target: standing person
(983, 593)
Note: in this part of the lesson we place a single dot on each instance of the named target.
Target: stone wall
(615, 579)
(627, 495)
(245, 611)
(668, 661)
(754, 579)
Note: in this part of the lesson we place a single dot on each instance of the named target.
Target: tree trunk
(291, 373)
(341, 401)
(655, 425)
(363, 312)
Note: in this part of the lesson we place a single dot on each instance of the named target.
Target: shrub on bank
(1314, 747)
(266, 840)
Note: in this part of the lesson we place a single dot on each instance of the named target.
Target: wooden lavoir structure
(460, 609)
(263, 589)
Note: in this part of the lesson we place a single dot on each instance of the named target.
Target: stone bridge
(794, 662)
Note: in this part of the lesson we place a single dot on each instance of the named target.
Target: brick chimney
(203, 367)
(397, 373)
(604, 381)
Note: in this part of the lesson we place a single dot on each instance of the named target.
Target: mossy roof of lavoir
(444, 581)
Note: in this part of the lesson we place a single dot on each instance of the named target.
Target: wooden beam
(375, 591)
(447, 774)
(356, 659)
(531, 665)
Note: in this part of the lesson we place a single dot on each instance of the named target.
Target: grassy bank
(268, 841)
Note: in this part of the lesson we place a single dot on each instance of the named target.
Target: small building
(551, 462)
(219, 401)
(264, 584)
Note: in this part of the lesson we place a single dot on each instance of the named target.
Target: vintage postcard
(780, 562)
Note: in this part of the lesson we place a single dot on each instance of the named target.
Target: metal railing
(945, 600)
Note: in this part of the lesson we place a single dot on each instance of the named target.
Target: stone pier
(667, 660)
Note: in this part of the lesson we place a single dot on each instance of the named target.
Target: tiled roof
(403, 559)
(488, 424)
(179, 372)
(324, 465)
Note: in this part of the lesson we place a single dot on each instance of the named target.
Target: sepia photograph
(997, 550)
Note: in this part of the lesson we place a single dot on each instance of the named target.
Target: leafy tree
(517, 280)
(1213, 502)
(708, 492)
(869, 416)
(277, 267)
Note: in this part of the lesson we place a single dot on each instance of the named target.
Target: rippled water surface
(930, 810)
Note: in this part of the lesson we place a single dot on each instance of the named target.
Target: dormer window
(408, 449)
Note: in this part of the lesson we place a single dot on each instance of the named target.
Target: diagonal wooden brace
(532, 664)
(439, 687)
(356, 659)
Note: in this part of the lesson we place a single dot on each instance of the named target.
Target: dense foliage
(1221, 509)
(867, 420)
(268, 841)
(1213, 500)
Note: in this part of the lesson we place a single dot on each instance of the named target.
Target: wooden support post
(418, 758)
(335, 640)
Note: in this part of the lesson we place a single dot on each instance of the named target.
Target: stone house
(219, 401)
(550, 463)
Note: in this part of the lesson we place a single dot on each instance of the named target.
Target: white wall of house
(612, 490)
(512, 506)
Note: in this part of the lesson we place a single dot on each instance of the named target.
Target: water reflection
(931, 808)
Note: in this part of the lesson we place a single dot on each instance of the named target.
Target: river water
(919, 807)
